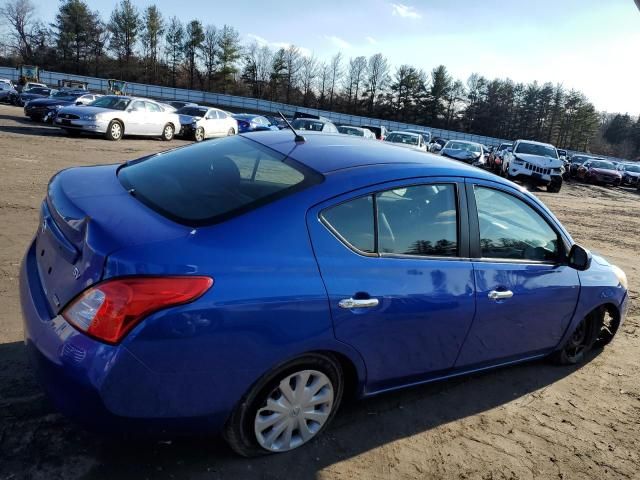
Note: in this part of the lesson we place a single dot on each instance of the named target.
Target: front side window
(417, 220)
(511, 229)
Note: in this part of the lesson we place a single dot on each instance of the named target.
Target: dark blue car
(247, 284)
(248, 122)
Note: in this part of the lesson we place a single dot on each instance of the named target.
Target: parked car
(600, 172)
(249, 122)
(426, 136)
(29, 85)
(563, 155)
(534, 162)
(468, 152)
(201, 123)
(243, 286)
(314, 125)
(410, 140)
(178, 104)
(45, 109)
(117, 115)
(436, 145)
(357, 131)
(379, 131)
(494, 161)
(575, 163)
(168, 108)
(277, 121)
(630, 174)
(7, 90)
(32, 94)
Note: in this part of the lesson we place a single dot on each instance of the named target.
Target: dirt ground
(523, 422)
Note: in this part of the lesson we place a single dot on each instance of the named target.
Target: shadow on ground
(38, 443)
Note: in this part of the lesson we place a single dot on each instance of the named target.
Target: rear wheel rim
(116, 130)
(168, 132)
(295, 411)
(199, 134)
(231, 132)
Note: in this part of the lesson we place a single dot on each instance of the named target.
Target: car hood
(540, 160)
(459, 154)
(188, 119)
(44, 102)
(604, 171)
(86, 110)
(28, 96)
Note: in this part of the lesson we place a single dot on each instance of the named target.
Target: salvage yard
(529, 421)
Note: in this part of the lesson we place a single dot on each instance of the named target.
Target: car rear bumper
(104, 387)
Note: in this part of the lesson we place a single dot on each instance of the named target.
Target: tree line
(144, 46)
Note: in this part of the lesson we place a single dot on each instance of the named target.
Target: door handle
(350, 303)
(500, 295)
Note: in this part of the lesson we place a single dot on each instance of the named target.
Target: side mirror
(579, 257)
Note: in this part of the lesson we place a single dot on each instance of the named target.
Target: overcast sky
(590, 45)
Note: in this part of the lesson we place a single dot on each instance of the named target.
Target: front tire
(287, 408)
(231, 132)
(581, 340)
(555, 185)
(168, 132)
(198, 135)
(115, 131)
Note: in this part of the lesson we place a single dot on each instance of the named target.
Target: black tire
(239, 432)
(168, 132)
(115, 131)
(555, 185)
(198, 135)
(231, 131)
(581, 340)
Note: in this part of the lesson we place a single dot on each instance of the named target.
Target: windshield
(215, 180)
(602, 165)
(632, 168)
(192, 111)
(404, 138)
(306, 124)
(536, 149)
(351, 131)
(469, 147)
(112, 103)
(66, 95)
(38, 91)
(504, 146)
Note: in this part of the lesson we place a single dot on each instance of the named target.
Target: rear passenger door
(393, 260)
(136, 118)
(155, 119)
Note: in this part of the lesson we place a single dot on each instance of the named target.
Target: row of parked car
(79, 111)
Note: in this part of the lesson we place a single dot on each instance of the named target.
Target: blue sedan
(248, 122)
(248, 284)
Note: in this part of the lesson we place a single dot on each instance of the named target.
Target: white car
(357, 132)
(200, 123)
(472, 153)
(415, 141)
(534, 162)
(115, 116)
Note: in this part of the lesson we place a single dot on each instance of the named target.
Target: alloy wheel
(295, 411)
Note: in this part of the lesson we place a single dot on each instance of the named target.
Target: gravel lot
(523, 422)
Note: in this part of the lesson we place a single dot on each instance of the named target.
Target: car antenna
(299, 138)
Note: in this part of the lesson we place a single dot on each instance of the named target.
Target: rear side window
(418, 220)
(210, 182)
(353, 221)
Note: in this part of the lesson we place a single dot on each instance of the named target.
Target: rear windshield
(210, 182)
(306, 124)
(192, 111)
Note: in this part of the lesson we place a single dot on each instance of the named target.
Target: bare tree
(209, 51)
(19, 14)
(354, 80)
(324, 71)
(377, 78)
(335, 74)
(292, 60)
(309, 72)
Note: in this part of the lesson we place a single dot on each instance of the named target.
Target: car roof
(535, 143)
(406, 132)
(468, 142)
(326, 153)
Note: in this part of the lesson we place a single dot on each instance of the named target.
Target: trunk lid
(86, 216)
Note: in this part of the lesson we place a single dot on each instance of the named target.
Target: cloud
(405, 11)
(338, 42)
(263, 42)
(371, 40)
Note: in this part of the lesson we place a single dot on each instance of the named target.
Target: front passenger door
(526, 294)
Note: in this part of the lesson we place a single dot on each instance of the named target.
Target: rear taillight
(109, 310)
